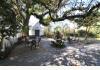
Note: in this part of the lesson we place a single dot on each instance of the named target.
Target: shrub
(48, 34)
(58, 44)
(82, 33)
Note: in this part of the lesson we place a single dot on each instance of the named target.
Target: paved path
(47, 55)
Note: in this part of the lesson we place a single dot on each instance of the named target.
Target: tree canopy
(49, 10)
(40, 8)
(8, 25)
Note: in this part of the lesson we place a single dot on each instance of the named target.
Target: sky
(71, 4)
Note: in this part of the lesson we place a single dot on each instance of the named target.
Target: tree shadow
(72, 56)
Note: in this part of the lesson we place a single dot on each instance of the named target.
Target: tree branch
(65, 16)
(77, 16)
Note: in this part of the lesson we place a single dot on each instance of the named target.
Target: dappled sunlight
(50, 39)
(13, 58)
(56, 61)
(93, 47)
(98, 39)
(87, 55)
(46, 55)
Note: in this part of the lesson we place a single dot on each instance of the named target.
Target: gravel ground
(46, 55)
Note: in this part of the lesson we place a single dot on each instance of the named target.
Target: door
(37, 32)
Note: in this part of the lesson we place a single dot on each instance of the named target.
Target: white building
(34, 26)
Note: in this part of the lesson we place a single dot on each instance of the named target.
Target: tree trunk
(25, 27)
(87, 31)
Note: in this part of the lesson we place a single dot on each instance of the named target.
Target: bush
(58, 44)
(82, 33)
(48, 34)
(73, 34)
(97, 35)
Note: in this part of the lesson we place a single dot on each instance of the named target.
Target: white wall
(35, 25)
(32, 32)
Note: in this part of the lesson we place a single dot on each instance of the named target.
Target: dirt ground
(76, 54)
